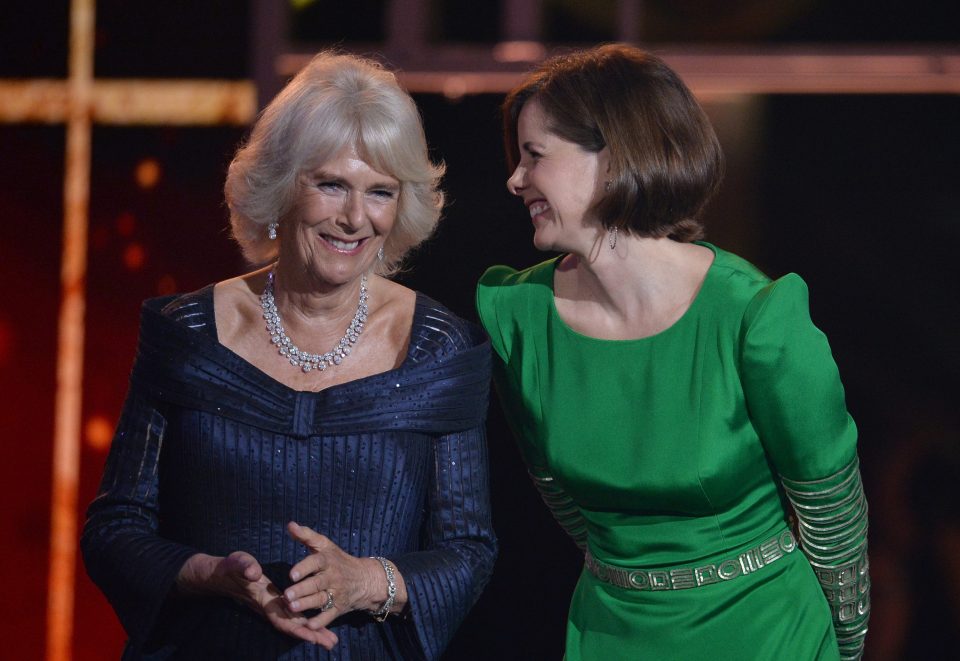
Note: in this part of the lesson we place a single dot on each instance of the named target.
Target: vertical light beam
(73, 272)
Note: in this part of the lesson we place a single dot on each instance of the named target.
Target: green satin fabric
(671, 447)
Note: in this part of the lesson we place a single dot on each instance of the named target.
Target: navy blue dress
(212, 455)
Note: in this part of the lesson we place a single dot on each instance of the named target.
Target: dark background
(858, 194)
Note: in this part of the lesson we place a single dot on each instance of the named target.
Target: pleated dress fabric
(212, 455)
(670, 448)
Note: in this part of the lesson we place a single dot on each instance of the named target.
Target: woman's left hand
(333, 581)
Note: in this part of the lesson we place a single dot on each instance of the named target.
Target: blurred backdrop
(854, 185)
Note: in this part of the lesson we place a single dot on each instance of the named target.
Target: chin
(543, 243)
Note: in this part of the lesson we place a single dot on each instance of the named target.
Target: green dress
(668, 453)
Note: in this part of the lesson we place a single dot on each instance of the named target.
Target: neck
(301, 295)
(630, 276)
(306, 357)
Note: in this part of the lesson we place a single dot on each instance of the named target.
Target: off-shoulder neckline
(422, 305)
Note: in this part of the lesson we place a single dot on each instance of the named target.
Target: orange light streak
(133, 101)
(73, 271)
(708, 71)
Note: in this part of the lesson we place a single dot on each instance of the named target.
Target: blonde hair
(335, 101)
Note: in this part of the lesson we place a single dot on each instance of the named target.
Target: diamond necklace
(304, 359)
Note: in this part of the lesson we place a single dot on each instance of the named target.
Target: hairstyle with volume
(335, 101)
(665, 160)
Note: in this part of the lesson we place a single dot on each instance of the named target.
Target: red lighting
(134, 256)
(126, 224)
(166, 285)
(98, 433)
(147, 173)
(6, 341)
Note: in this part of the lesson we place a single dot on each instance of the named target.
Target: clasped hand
(328, 580)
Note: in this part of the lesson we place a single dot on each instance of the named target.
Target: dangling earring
(612, 237)
(272, 231)
(380, 254)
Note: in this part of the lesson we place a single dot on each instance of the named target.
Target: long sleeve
(832, 517)
(445, 579)
(796, 402)
(123, 552)
(505, 334)
(565, 512)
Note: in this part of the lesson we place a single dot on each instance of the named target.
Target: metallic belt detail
(561, 505)
(683, 578)
(832, 517)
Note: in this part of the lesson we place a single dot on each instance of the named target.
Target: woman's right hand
(239, 576)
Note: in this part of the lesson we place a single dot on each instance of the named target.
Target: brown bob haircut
(665, 160)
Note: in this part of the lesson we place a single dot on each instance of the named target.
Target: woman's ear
(604, 167)
(604, 161)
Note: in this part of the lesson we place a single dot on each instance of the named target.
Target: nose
(352, 211)
(517, 181)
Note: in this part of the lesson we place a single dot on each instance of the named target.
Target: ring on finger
(329, 603)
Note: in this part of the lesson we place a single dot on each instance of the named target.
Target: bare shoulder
(236, 304)
(392, 304)
(694, 265)
(700, 257)
(390, 292)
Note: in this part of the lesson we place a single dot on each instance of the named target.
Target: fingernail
(295, 605)
(295, 575)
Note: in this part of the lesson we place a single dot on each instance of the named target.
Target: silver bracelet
(381, 614)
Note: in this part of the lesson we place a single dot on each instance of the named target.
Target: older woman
(300, 470)
(670, 400)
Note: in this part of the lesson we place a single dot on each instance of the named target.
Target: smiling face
(559, 182)
(343, 213)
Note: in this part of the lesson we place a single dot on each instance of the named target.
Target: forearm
(445, 577)
(442, 585)
(561, 506)
(195, 576)
(832, 517)
(136, 570)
